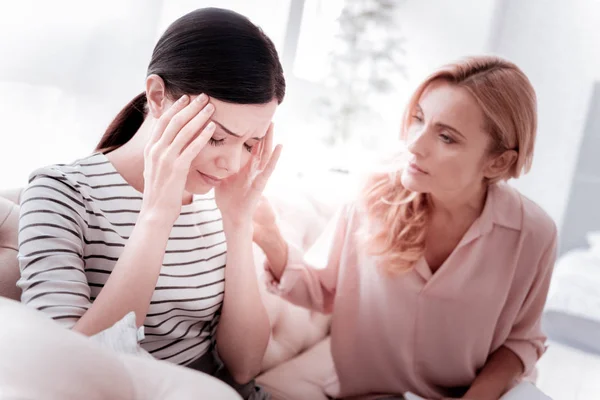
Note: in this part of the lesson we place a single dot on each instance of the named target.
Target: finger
(188, 133)
(192, 150)
(181, 118)
(259, 151)
(251, 166)
(267, 147)
(253, 160)
(263, 177)
(163, 121)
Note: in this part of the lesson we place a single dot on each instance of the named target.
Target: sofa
(36, 354)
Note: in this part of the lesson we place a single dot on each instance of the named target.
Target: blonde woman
(437, 274)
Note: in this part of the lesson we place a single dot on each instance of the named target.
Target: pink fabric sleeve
(526, 338)
(310, 280)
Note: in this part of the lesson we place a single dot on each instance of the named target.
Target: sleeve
(309, 280)
(526, 338)
(51, 244)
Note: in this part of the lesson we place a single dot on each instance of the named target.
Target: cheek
(458, 166)
(205, 155)
(245, 157)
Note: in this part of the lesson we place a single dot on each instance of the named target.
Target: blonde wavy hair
(398, 218)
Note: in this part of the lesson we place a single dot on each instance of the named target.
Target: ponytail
(125, 125)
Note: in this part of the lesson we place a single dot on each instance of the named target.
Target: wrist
(276, 250)
(235, 227)
(270, 240)
(155, 220)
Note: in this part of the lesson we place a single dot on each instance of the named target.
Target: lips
(416, 168)
(214, 181)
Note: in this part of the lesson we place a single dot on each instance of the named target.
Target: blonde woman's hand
(264, 221)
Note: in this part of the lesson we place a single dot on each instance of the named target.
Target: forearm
(276, 250)
(131, 283)
(244, 329)
(499, 372)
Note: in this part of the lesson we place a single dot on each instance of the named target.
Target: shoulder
(537, 229)
(61, 186)
(535, 219)
(72, 176)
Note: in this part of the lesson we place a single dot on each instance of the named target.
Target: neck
(460, 206)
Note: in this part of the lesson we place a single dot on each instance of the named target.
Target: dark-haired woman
(137, 226)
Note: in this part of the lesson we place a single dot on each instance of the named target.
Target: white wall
(66, 70)
(557, 44)
(439, 32)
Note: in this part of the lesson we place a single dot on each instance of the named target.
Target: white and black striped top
(75, 220)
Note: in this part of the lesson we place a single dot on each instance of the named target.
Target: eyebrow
(228, 131)
(441, 125)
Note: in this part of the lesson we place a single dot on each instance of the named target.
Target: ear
(500, 164)
(156, 95)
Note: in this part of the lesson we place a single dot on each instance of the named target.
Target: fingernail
(210, 126)
(183, 98)
(201, 98)
(209, 108)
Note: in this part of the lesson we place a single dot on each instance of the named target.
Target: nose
(417, 144)
(230, 161)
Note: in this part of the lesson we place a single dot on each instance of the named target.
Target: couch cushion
(304, 377)
(9, 267)
(13, 195)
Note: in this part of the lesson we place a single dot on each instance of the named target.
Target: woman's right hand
(169, 154)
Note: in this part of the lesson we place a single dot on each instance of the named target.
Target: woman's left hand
(238, 195)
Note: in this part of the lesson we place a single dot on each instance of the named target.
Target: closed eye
(446, 139)
(215, 142)
(221, 142)
(417, 117)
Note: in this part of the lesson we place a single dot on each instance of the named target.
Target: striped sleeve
(51, 247)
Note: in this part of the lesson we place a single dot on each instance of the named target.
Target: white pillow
(593, 239)
(572, 311)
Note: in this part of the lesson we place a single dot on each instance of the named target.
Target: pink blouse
(429, 333)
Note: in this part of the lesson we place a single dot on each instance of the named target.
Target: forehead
(452, 105)
(249, 120)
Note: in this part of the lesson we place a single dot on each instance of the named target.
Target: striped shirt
(74, 223)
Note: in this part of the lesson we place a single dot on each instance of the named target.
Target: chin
(197, 187)
(414, 183)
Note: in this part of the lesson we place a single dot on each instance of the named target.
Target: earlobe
(156, 95)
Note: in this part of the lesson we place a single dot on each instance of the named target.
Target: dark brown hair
(213, 51)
